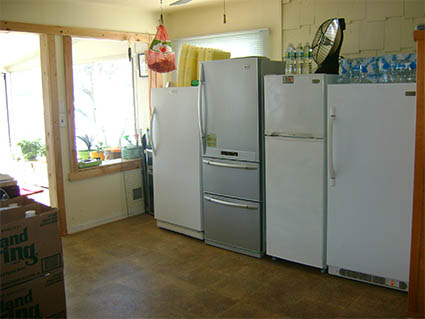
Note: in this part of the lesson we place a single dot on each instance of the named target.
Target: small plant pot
(130, 152)
(97, 155)
(83, 155)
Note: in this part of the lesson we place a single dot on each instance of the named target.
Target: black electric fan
(327, 44)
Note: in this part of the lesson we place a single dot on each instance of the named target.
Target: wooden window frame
(77, 173)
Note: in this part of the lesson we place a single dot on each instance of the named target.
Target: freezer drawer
(231, 178)
(233, 224)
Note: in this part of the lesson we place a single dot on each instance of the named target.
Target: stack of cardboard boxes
(31, 263)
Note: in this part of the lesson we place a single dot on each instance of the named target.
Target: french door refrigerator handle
(152, 132)
(331, 167)
(201, 129)
(242, 166)
(231, 204)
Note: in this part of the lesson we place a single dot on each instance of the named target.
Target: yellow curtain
(189, 59)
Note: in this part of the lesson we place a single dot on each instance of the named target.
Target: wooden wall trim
(416, 301)
(73, 31)
(52, 129)
(69, 92)
(125, 165)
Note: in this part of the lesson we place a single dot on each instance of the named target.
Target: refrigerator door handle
(201, 129)
(241, 166)
(231, 204)
(331, 167)
(152, 132)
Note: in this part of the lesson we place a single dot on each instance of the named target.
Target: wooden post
(52, 129)
(416, 302)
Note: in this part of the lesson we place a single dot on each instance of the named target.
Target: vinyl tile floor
(132, 269)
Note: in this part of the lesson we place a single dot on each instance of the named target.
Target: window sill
(117, 166)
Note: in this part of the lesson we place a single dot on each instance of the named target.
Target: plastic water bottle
(411, 72)
(287, 60)
(307, 66)
(363, 76)
(290, 59)
(355, 74)
(343, 77)
(299, 59)
(383, 73)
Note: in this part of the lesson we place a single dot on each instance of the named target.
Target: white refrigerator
(176, 160)
(370, 181)
(295, 167)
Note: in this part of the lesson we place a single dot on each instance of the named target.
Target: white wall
(79, 14)
(242, 15)
(94, 201)
(374, 27)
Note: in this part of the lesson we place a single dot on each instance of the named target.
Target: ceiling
(17, 46)
(154, 5)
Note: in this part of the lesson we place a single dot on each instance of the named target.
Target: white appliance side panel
(295, 211)
(296, 108)
(176, 164)
(370, 206)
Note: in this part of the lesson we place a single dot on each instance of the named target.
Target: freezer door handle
(152, 131)
(331, 167)
(231, 204)
(200, 113)
(228, 165)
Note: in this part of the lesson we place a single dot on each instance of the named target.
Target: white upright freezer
(370, 181)
(176, 160)
(295, 166)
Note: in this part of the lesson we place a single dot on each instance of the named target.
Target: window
(239, 44)
(108, 109)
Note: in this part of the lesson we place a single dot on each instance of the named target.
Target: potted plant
(131, 150)
(98, 153)
(31, 149)
(85, 154)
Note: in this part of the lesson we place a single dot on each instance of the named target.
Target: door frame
(49, 70)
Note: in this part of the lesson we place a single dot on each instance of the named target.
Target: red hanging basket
(161, 57)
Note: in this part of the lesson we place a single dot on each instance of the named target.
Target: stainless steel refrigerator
(231, 116)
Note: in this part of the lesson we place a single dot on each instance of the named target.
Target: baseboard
(98, 222)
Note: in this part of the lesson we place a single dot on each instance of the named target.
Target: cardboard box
(29, 247)
(43, 297)
(16, 202)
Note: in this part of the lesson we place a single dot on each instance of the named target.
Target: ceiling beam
(73, 31)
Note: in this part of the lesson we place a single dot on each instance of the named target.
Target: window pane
(26, 111)
(103, 100)
(239, 44)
